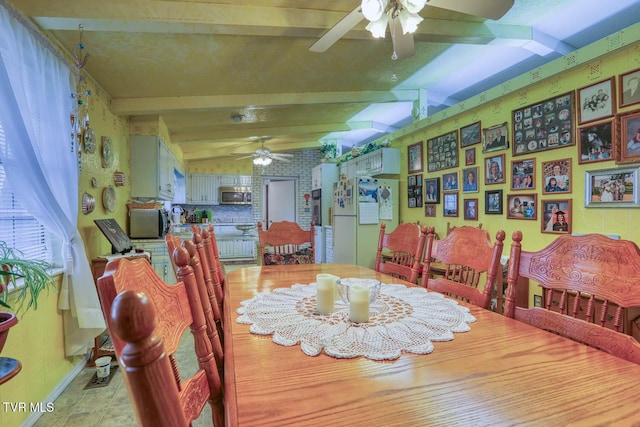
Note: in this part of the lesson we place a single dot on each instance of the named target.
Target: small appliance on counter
(148, 223)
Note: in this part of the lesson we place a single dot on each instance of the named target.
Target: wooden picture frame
(470, 134)
(429, 196)
(470, 180)
(627, 141)
(522, 206)
(523, 174)
(596, 143)
(545, 125)
(470, 156)
(470, 209)
(556, 176)
(597, 101)
(495, 138)
(429, 210)
(450, 182)
(442, 152)
(600, 188)
(414, 191)
(556, 216)
(493, 202)
(414, 156)
(450, 204)
(494, 169)
(629, 88)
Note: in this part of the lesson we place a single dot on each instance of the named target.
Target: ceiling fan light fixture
(409, 21)
(378, 28)
(413, 6)
(373, 9)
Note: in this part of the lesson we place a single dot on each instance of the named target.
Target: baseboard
(57, 391)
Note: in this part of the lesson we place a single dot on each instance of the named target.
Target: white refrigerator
(359, 206)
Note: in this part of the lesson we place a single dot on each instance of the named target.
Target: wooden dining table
(501, 372)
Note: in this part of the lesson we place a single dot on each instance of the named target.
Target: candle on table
(332, 280)
(325, 293)
(359, 304)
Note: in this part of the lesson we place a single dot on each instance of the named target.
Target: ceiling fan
(263, 156)
(395, 12)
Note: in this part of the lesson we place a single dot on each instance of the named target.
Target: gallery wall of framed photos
(550, 149)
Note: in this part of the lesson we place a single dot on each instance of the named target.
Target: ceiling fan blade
(245, 157)
(282, 154)
(280, 159)
(336, 32)
(490, 9)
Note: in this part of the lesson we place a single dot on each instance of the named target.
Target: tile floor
(109, 406)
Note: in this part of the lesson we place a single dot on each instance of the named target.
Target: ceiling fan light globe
(267, 161)
(373, 9)
(378, 28)
(413, 6)
(409, 21)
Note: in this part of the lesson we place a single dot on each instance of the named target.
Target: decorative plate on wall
(107, 152)
(88, 203)
(109, 198)
(89, 139)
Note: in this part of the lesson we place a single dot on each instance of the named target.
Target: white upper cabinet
(152, 168)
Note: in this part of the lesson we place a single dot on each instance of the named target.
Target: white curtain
(41, 164)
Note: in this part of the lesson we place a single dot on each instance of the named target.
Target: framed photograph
(411, 180)
(432, 190)
(523, 174)
(414, 191)
(493, 202)
(522, 206)
(494, 169)
(556, 216)
(470, 180)
(442, 152)
(628, 139)
(470, 156)
(597, 101)
(495, 138)
(471, 209)
(556, 176)
(450, 204)
(412, 202)
(414, 152)
(629, 87)
(450, 181)
(429, 210)
(545, 125)
(596, 143)
(611, 188)
(470, 135)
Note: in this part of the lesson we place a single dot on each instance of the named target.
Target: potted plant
(36, 277)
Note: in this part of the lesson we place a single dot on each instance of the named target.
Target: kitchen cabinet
(159, 258)
(235, 180)
(328, 244)
(152, 168)
(236, 248)
(318, 244)
(384, 161)
(203, 189)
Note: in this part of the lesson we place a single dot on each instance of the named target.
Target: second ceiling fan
(402, 18)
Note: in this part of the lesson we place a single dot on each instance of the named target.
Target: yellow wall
(37, 342)
(617, 221)
(222, 166)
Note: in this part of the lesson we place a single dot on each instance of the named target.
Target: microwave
(235, 195)
(148, 223)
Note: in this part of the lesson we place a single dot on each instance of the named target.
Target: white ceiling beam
(176, 104)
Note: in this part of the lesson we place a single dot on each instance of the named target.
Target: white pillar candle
(359, 304)
(330, 279)
(325, 295)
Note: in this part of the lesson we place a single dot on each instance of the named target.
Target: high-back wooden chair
(450, 227)
(596, 279)
(179, 306)
(213, 243)
(463, 256)
(172, 241)
(400, 251)
(286, 243)
(202, 240)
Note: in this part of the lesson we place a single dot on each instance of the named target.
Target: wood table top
(502, 372)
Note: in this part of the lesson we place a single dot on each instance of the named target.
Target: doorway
(279, 199)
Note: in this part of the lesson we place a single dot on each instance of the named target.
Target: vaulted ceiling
(199, 63)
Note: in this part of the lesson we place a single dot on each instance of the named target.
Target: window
(21, 230)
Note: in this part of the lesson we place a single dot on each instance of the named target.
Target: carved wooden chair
(400, 252)
(213, 247)
(464, 255)
(172, 242)
(286, 243)
(179, 307)
(203, 241)
(596, 279)
(450, 227)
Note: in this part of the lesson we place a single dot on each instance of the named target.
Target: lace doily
(402, 319)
